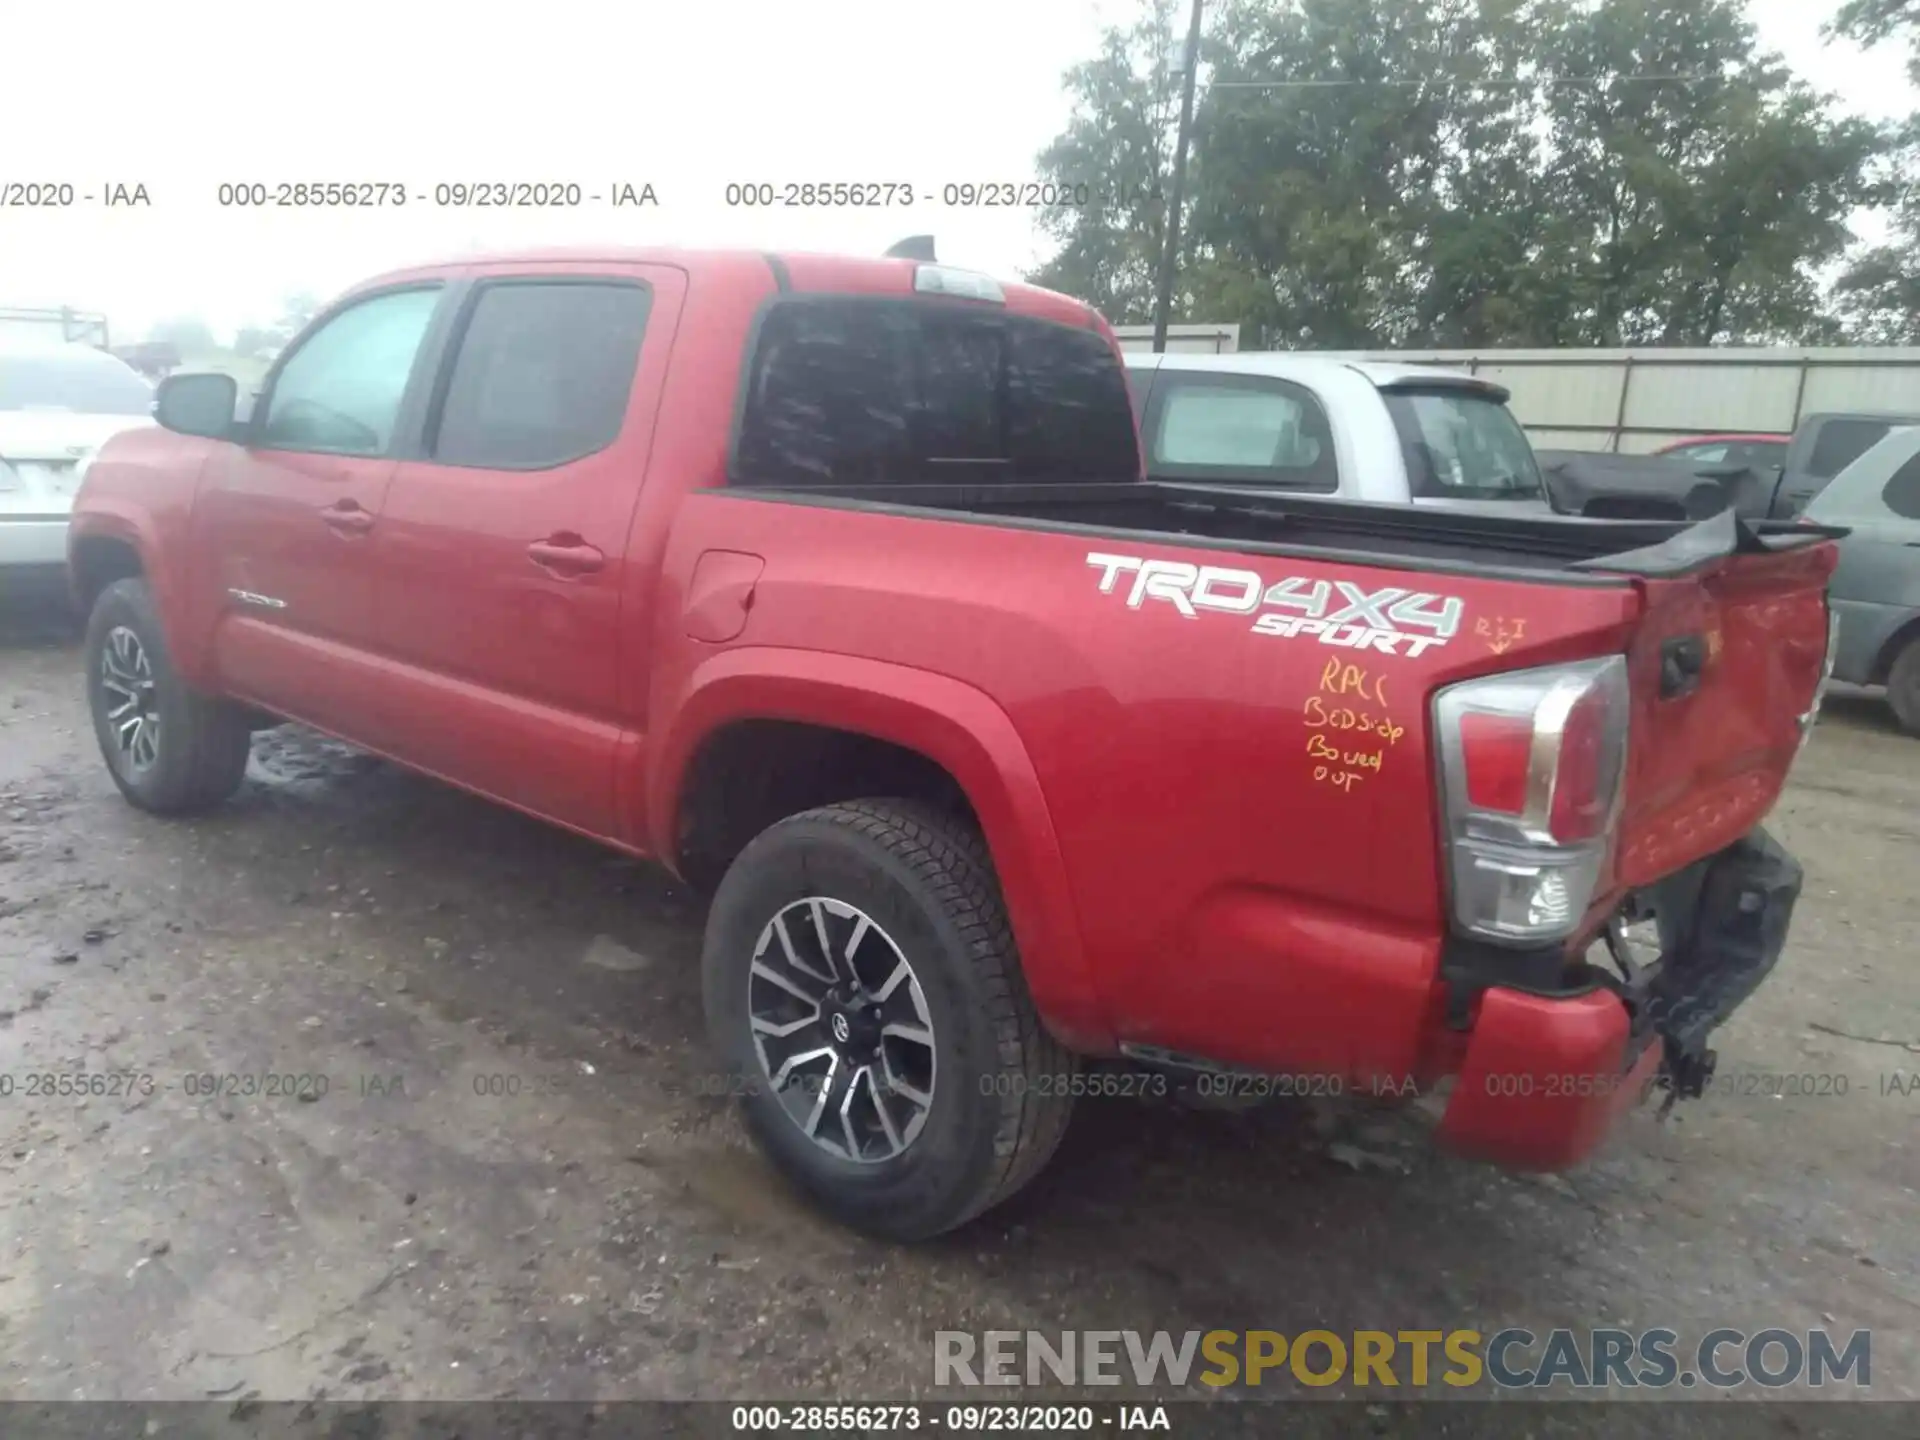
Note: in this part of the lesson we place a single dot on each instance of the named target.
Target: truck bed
(1243, 794)
(1574, 550)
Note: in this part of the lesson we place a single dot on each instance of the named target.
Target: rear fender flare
(952, 724)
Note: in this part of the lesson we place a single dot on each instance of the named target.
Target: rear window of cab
(851, 390)
(1462, 445)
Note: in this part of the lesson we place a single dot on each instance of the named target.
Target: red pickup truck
(835, 583)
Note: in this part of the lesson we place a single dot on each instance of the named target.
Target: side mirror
(197, 404)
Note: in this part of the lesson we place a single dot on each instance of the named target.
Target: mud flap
(1732, 938)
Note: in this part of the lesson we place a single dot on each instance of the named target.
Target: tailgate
(1726, 672)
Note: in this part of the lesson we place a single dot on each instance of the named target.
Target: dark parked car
(1603, 486)
(1758, 451)
(1758, 477)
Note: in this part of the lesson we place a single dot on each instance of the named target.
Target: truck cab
(1353, 429)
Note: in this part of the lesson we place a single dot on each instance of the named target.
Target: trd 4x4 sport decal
(1337, 612)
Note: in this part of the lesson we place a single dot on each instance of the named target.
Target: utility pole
(1170, 246)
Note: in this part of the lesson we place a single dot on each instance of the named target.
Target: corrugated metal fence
(1182, 339)
(1637, 400)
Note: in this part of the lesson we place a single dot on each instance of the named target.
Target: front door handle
(347, 518)
(566, 555)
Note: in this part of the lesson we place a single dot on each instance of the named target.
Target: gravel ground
(516, 1185)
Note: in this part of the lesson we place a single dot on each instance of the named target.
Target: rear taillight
(1531, 771)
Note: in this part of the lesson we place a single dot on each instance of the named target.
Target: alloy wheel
(133, 699)
(841, 1027)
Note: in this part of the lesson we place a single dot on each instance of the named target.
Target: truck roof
(1306, 368)
(799, 270)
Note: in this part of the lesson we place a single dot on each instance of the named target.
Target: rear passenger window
(1841, 442)
(542, 374)
(1902, 495)
(1462, 445)
(1251, 431)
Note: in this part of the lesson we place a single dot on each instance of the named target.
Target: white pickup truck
(1356, 429)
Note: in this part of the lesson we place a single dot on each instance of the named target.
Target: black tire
(1903, 686)
(199, 753)
(1001, 1094)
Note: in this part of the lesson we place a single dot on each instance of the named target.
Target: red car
(1758, 452)
(836, 582)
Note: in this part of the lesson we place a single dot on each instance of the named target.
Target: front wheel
(170, 748)
(864, 992)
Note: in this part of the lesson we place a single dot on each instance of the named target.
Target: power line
(1544, 81)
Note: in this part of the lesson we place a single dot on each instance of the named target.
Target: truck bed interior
(1529, 545)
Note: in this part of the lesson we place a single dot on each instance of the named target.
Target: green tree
(186, 334)
(1367, 175)
(1471, 172)
(1119, 144)
(1696, 209)
(1868, 22)
(1879, 293)
(253, 341)
(299, 308)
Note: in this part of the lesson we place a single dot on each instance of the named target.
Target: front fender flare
(953, 724)
(141, 533)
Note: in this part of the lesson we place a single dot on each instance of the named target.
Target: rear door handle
(566, 555)
(347, 518)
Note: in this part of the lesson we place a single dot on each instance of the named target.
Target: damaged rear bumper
(1558, 1050)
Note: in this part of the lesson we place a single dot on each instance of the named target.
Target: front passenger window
(340, 392)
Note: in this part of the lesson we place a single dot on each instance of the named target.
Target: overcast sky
(183, 96)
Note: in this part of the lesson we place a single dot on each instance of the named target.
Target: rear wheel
(863, 989)
(1903, 687)
(169, 748)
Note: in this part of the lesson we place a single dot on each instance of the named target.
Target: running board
(1174, 1060)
